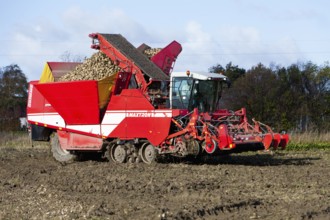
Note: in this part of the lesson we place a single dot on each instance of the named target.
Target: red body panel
(76, 102)
(284, 141)
(36, 101)
(40, 111)
(276, 140)
(153, 128)
(122, 82)
(74, 141)
(225, 141)
(165, 58)
(141, 119)
(129, 99)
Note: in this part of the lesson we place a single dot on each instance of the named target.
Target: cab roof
(201, 75)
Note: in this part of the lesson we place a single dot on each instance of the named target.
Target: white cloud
(43, 40)
(34, 43)
(243, 46)
(198, 49)
(204, 44)
(246, 47)
(201, 50)
(108, 20)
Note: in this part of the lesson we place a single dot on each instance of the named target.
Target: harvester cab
(189, 90)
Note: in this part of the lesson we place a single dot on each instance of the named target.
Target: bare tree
(69, 57)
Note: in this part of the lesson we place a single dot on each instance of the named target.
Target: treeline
(293, 98)
(13, 93)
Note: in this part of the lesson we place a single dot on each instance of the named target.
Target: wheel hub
(118, 154)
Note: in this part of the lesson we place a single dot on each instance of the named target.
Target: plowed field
(284, 185)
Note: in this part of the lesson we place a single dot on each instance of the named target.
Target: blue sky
(211, 31)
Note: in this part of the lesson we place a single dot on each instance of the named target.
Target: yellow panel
(47, 75)
(104, 87)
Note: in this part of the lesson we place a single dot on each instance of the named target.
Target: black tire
(60, 154)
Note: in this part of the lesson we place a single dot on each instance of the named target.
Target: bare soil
(283, 185)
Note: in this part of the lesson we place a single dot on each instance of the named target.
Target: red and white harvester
(141, 112)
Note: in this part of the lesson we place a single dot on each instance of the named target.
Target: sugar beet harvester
(141, 112)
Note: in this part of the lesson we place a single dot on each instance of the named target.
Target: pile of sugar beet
(98, 67)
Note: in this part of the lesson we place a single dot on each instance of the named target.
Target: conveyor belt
(132, 54)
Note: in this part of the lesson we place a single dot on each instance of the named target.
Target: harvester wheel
(194, 148)
(58, 152)
(148, 153)
(209, 148)
(118, 154)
